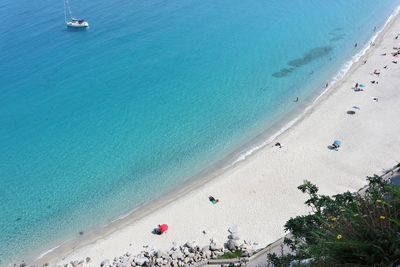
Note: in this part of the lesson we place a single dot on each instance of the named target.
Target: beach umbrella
(337, 142)
(163, 227)
(361, 85)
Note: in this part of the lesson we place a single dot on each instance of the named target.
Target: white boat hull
(77, 24)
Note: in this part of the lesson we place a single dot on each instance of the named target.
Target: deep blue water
(95, 123)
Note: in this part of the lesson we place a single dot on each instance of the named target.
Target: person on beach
(377, 72)
(356, 87)
(385, 67)
(355, 45)
(297, 99)
(326, 85)
(213, 200)
(278, 144)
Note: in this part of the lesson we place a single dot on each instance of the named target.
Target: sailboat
(72, 22)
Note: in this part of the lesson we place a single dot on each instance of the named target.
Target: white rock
(125, 263)
(205, 248)
(181, 256)
(218, 253)
(77, 263)
(159, 253)
(238, 242)
(233, 229)
(105, 263)
(231, 244)
(190, 244)
(207, 253)
(215, 246)
(174, 255)
(141, 260)
(234, 236)
(246, 247)
(186, 251)
(160, 261)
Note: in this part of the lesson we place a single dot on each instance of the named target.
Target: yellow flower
(332, 218)
(379, 201)
(382, 217)
(338, 237)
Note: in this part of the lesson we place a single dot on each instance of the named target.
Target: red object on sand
(163, 228)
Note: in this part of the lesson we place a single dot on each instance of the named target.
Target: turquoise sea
(95, 123)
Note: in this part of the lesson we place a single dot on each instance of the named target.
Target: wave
(48, 251)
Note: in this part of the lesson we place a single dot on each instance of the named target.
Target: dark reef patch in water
(310, 56)
(337, 29)
(336, 35)
(283, 72)
(337, 38)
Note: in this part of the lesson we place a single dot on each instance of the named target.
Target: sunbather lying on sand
(213, 200)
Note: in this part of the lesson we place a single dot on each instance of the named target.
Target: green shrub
(348, 229)
(231, 255)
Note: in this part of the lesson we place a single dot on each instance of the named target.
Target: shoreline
(217, 170)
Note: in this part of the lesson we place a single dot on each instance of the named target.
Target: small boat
(77, 23)
(72, 22)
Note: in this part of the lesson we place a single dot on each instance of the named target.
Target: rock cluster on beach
(187, 254)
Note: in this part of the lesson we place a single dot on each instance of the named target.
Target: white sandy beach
(260, 193)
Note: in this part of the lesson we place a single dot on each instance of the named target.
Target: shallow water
(95, 123)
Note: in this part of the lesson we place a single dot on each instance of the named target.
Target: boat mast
(65, 12)
(67, 8)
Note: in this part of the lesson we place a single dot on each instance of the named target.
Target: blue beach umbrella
(361, 85)
(337, 142)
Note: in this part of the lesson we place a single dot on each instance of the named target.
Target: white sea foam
(125, 215)
(340, 74)
(47, 252)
